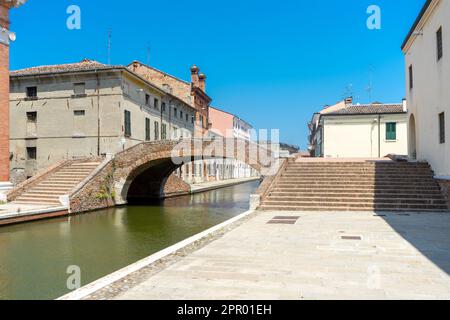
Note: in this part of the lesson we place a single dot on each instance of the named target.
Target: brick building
(5, 37)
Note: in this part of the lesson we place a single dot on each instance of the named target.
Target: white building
(428, 85)
(346, 130)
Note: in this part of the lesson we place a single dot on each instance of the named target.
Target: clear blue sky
(273, 63)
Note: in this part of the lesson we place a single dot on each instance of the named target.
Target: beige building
(348, 130)
(87, 109)
(428, 86)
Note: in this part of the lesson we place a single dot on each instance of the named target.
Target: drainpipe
(379, 135)
(98, 114)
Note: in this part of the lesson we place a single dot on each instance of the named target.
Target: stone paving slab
(398, 257)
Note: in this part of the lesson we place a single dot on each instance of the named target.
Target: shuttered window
(127, 124)
(442, 127)
(391, 131)
(439, 44)
(147, 129)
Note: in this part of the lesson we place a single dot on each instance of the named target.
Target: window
(175, 112)
(163, 107)
(442, 127)
(147, 99)
(127, 123)
(163, 131)
(79, 89)
(156, 103)
(31, 153)
(187, 117)
(192, 119)
(31, 92)
(31, 124)
(147, 129)
(411, 77)
(79, 113)
(439, 44)
(32, 117)
(175, 132)
(391, 131)
(156, 133)
(181, 115)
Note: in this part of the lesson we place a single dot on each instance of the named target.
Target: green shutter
(391, 131)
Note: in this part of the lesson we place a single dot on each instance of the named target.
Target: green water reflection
(34, 256)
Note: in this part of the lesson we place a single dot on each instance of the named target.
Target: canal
(34, 257)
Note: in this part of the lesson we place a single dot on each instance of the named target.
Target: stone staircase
(58, 183)
(356, 186)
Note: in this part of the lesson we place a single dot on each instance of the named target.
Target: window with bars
(127, 123)
(31, 153)
(391, 131)
(442, 127)
(440, 50)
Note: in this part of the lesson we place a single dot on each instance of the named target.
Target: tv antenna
(109, 45)
(369, 89)
(148, 53)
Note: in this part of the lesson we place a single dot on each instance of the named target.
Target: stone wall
(4, 100)
(445, 189)
(175, 186)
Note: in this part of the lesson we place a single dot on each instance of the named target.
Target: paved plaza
(318, 256)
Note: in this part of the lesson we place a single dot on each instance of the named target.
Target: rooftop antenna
(148, 53)
(369, 89)
(348, 91)
(109, 45)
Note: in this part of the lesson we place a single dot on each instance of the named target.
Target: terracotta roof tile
(369, 109)
(85, 65)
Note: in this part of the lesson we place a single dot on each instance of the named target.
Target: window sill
(31, 98)
(78, 96)
(391, 141)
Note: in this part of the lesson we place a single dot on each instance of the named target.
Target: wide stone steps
(356, 194)
(348, 200)
(356, 186)
(57, 184)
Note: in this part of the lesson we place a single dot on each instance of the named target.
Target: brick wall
(4, 100)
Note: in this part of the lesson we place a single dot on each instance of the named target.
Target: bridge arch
(148, 176)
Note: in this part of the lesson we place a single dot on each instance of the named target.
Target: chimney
(202, 81)
(194, 75)
(348, 101)
(405, 105)
(135, 65)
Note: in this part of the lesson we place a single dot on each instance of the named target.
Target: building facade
(5, 38)
(346, 130)
(427, 64)
(87, 109)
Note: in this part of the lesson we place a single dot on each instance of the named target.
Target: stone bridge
(143, 171)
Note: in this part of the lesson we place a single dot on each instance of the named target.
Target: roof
(368, 109)
(84, 65)
(419, 17)
(162, 72)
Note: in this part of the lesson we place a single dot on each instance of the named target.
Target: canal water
(34, 257)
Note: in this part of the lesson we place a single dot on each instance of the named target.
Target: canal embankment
(35, 256)
(12, 213)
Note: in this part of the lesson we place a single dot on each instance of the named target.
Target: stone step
(358, 194)
(367, 200)
(353, 188)
(350, 205)
(424, 179)
(357, 175)
(36, 201)
(322, 208)
(354, 184)
(37, 196)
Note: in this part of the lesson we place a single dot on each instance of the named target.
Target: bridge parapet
(142, 170)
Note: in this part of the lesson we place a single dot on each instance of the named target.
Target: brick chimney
(348, 101)
(202, 81)
(194, 75)
(5, 6)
